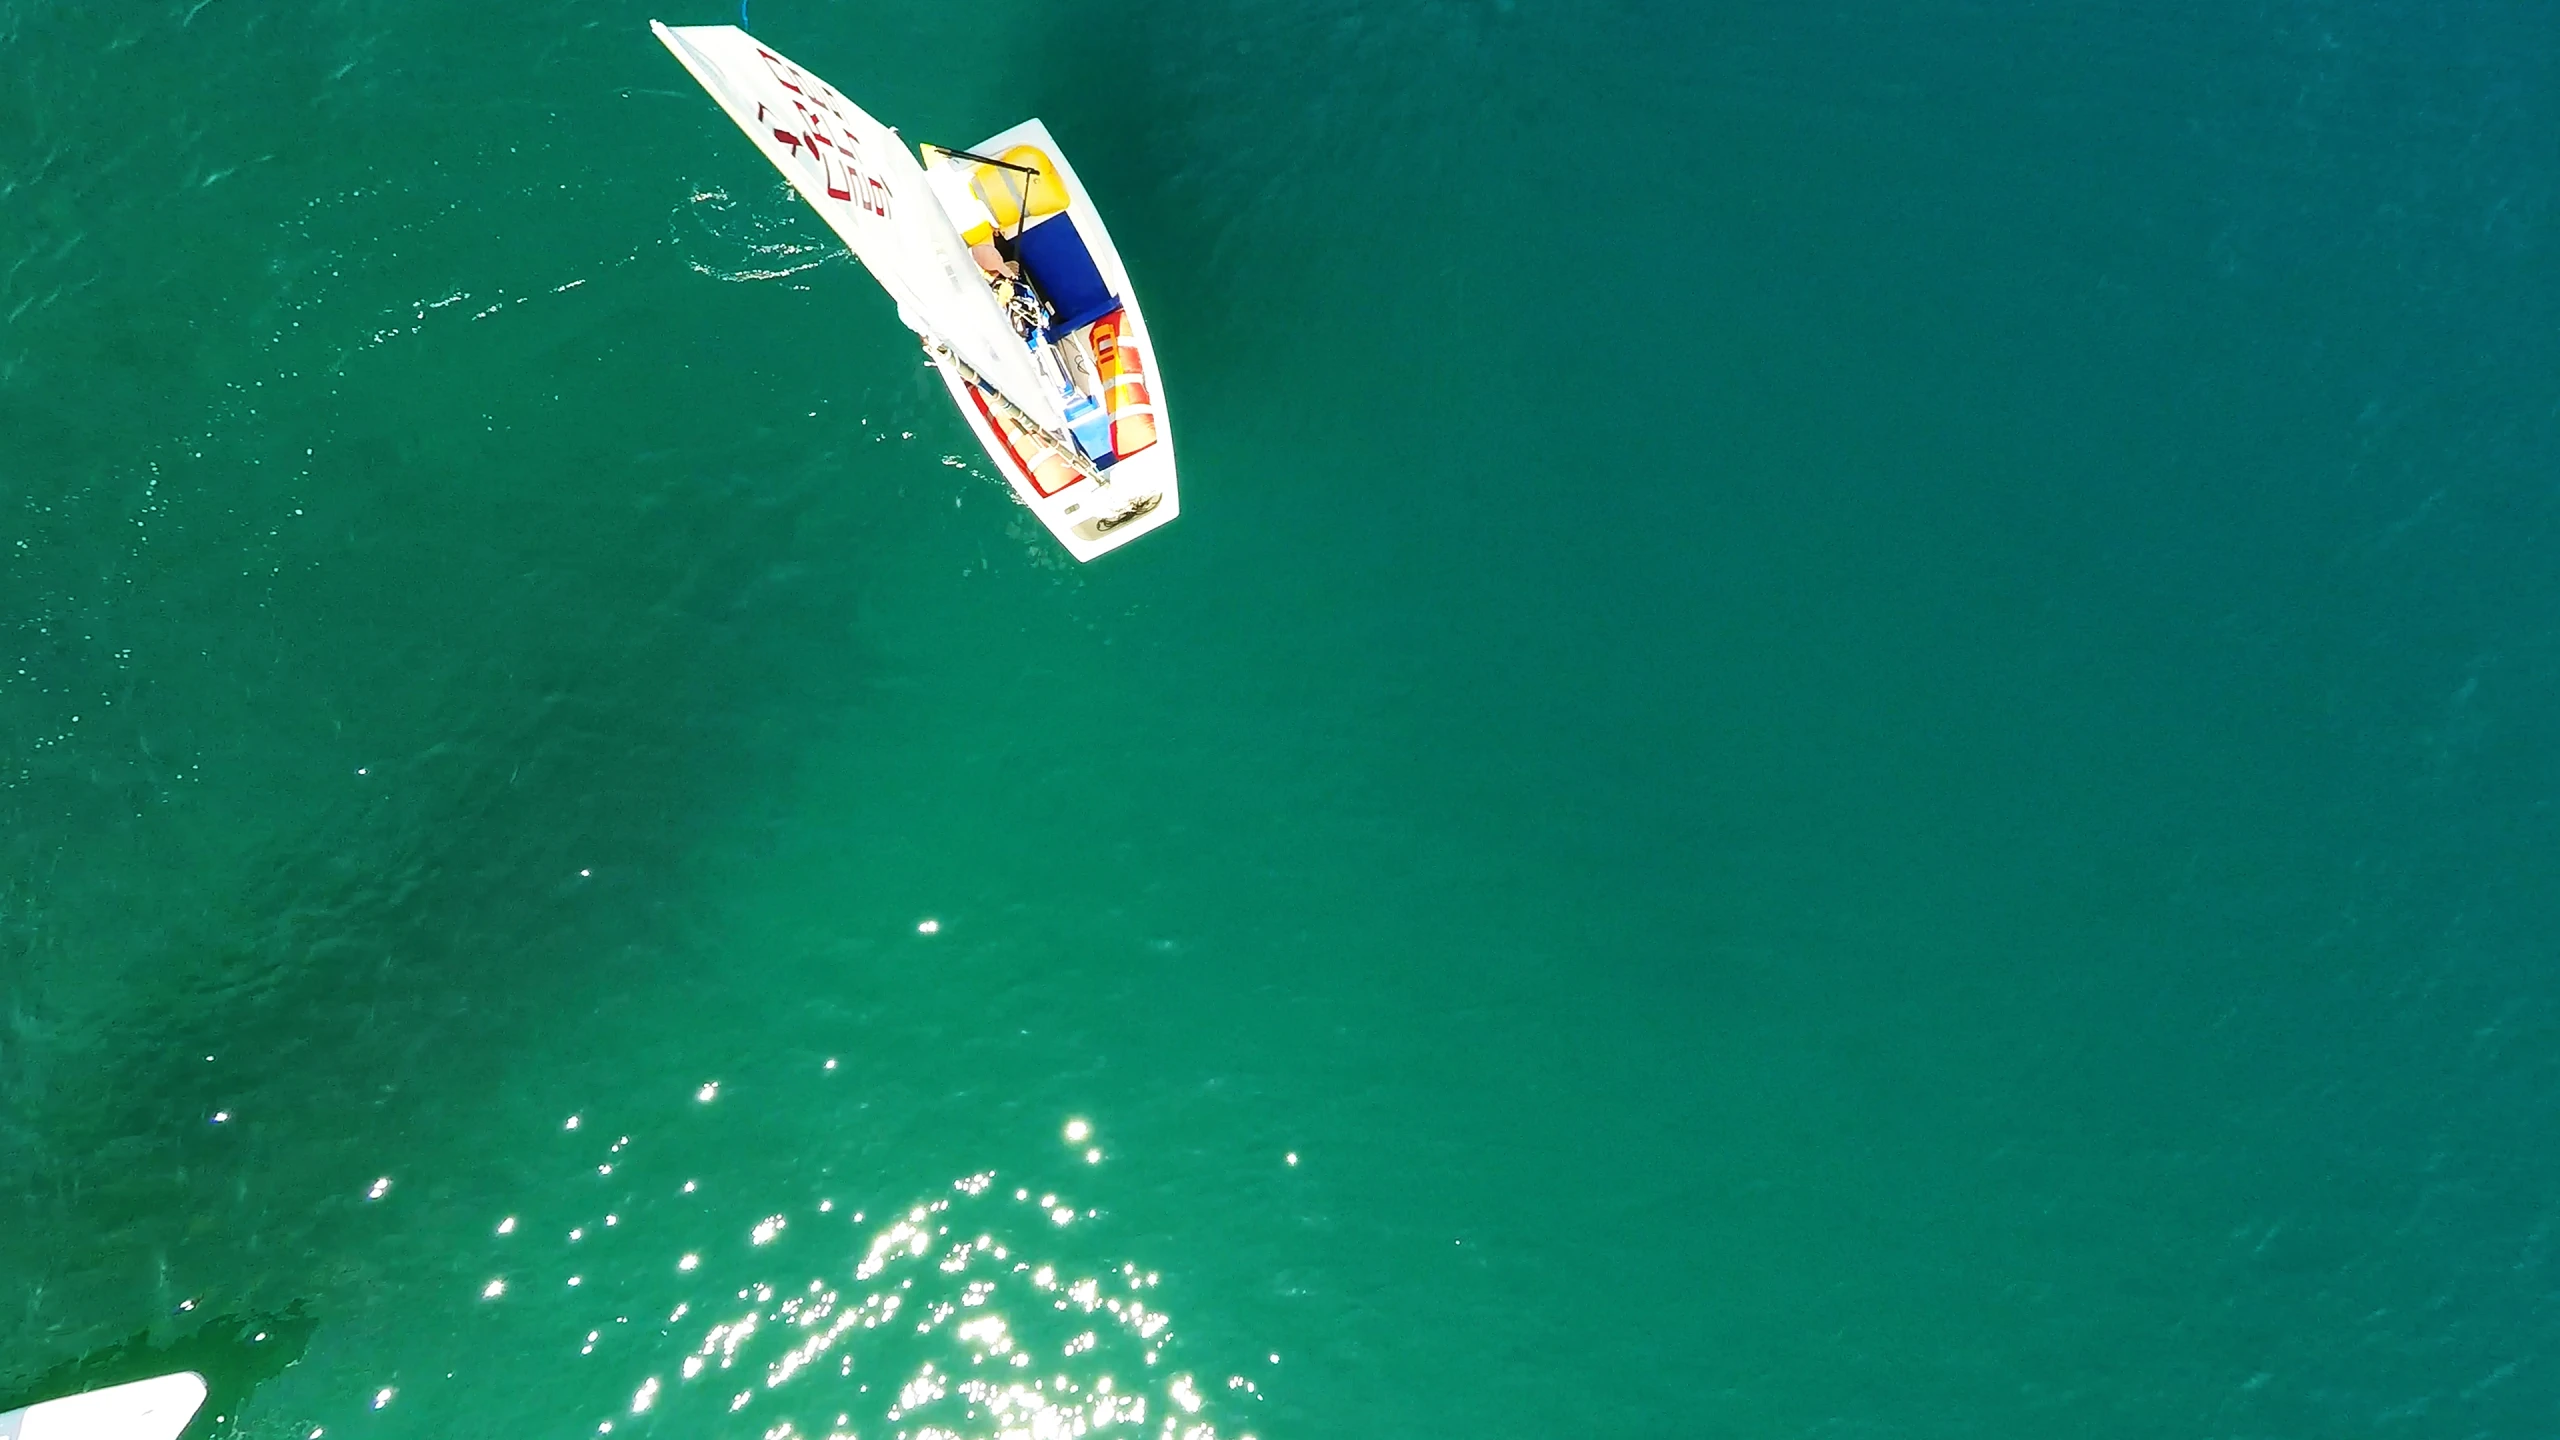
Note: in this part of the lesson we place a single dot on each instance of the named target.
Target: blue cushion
(1053, 255)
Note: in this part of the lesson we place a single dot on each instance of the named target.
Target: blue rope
(742, 14)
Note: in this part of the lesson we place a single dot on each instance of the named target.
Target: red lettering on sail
(838, 160)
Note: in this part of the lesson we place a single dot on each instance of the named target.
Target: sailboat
(997, 258)
(153, 1409)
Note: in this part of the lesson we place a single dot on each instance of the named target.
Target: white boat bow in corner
(154, 1409)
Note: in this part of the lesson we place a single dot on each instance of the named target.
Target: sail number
(824, 137)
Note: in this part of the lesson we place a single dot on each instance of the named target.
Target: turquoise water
(1852, 730)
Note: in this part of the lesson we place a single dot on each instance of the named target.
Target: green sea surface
(1852, 731)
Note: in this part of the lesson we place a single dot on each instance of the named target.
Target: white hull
(1082, 515)
(154, 1409)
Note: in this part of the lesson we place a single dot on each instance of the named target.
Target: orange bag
(1124, 387)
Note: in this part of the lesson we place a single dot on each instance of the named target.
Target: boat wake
(740, 244)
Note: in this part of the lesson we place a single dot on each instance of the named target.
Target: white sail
(864, 182)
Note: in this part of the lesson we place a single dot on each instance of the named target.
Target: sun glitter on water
(949, 1329)
(984, 1313)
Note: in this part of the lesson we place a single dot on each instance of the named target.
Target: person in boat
(993, 262)
(1005, 275)
(1020, 299)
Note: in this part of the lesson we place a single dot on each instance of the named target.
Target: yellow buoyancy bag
(1003, 190)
